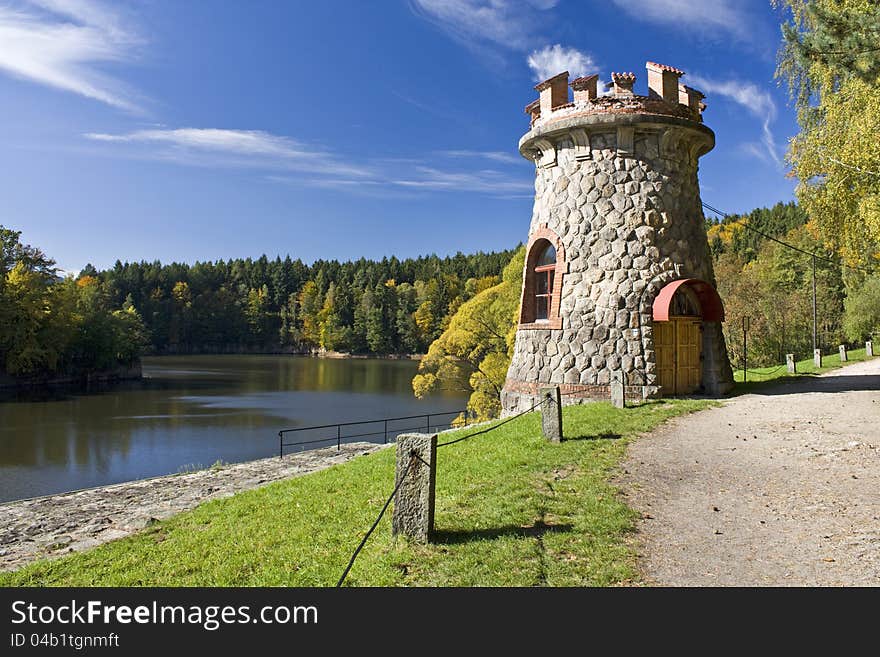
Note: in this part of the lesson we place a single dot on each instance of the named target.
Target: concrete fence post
(551, 414)
(842, 350)
(817, 357)
(869, 349)
(618, 398)
(416, 475)
(790, 363)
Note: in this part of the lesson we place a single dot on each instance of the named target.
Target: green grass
(758, 376)
(511, 510)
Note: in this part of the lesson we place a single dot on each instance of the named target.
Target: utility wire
(744, 223)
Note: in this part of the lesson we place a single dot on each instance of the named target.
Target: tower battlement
(666, 96)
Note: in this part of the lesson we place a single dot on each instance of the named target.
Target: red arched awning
(710, 303)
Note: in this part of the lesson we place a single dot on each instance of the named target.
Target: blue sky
(184, 130)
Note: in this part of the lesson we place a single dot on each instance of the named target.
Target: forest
(59, 327)
(52, 325)
(382, 307)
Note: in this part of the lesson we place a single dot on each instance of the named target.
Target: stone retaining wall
(55, 525)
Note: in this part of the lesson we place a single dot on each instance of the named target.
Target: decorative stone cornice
(681, 137)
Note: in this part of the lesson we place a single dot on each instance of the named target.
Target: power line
(743, 222)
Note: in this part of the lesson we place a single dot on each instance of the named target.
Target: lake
(192, 411)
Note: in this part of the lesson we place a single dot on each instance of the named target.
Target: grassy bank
(511, 510)
(806, 367)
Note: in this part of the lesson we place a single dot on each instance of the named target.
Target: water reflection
(190, 411)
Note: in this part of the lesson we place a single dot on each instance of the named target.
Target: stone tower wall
(617, 192)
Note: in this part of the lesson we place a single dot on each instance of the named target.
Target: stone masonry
(617, 195)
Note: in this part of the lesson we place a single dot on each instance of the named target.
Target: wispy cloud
(755, 101)
(61, 43)
(496, 156)
(247, 148)
(550, 60)
(353, 186)
(439, 109)
(506, 23)
(497, 28)
(321, 168)
(728, 16)
(486, 180)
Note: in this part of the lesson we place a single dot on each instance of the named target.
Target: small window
(545, 272)
(685, 303)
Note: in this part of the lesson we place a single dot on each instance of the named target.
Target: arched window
(545, 274)
(685, 303)
(542, 291)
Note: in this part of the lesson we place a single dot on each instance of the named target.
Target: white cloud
(550, 60)
(247, 148)
(248, 142)
(757, 150)
(60, 43)
(256, 149)
(727, 16)
(486, 181)
(496, 156)
(507, 23)
(492, 26)
(754, 100)
(416, 181)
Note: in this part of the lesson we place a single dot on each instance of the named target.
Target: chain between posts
(376, 523)
(399, 483)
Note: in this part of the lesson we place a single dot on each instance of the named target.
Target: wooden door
(689, 342)
(677, 349)
(664, 353)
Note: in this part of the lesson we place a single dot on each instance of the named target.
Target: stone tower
(618, 281)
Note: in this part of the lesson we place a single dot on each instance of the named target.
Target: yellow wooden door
(688, 370)
(677, 349)
(664, 354)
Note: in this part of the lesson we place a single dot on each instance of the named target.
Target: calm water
(191, 411)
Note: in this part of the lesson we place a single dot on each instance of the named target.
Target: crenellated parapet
(666, 96)
(669, 115)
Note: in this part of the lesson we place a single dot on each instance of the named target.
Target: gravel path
(776, 488)
(55, 525)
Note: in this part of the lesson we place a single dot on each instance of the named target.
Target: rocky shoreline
(55, 525)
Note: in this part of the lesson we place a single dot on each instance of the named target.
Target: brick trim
(598, 392)
(527, 319)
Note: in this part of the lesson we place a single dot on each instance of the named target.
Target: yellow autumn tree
(473, 353)
(831, 59)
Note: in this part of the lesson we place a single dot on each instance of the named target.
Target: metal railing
(340, 432)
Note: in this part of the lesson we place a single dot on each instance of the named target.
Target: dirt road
(776, 488)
